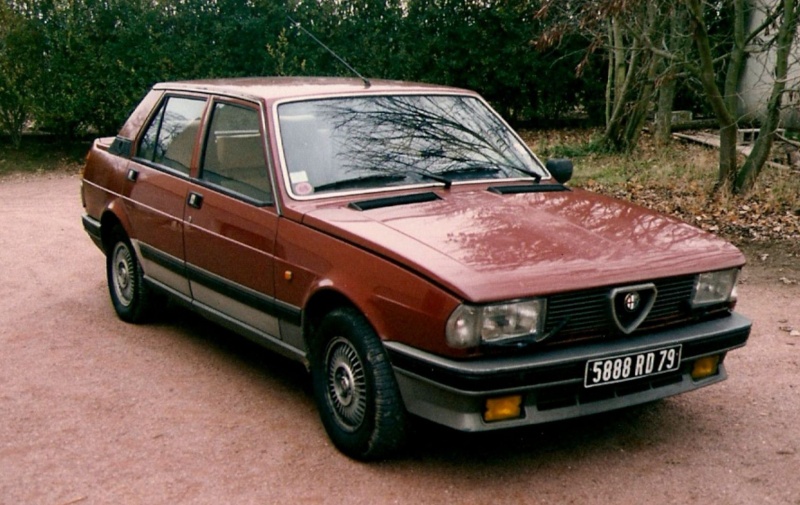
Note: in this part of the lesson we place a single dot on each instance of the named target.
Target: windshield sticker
(302, 188)
(300, 184)
(298, 177)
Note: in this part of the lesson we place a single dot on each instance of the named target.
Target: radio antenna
(341, 60)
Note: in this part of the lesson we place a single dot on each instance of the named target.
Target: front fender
(318, 272)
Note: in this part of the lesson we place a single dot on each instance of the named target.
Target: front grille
(587, 314)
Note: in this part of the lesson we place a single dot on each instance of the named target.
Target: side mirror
(560, 168)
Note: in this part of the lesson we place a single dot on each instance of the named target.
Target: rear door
(231, 221)
(157, 186)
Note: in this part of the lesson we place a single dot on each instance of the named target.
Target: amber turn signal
(705, 367)
(506, 407)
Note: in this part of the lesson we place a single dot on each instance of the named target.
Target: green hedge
(76, 67)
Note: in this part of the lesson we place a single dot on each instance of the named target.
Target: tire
(130, 295)
(355, 388)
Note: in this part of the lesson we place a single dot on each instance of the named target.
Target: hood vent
(378, 203)
(527, 188)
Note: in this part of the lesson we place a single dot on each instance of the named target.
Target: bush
(87, 63)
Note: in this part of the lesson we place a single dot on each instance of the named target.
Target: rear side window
(170, 138)
(234, 155)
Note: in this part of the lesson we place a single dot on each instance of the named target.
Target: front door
(231, 222)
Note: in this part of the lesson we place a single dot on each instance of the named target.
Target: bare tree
(648, 48)
(754, 163)
(675, 38)
(644, 46)
(725, 101)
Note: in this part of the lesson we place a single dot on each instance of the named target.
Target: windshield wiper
(469, 170)
(488, 169)
(536, 177)
(435, 177)
(362, 182)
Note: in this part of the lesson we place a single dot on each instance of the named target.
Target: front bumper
(453, 393)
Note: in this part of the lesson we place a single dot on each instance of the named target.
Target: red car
(403, 242)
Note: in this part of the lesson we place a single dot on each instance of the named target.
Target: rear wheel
(130, 295)
(355, 389)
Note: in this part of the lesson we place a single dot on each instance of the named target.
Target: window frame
(262, 135)
(158, 112)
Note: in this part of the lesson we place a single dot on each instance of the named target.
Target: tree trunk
(728, 137)
(761, 149)
(727, 122)
(635, 93)
(638, 114)
(619, 60)
(641, 107)
(666, 99)
(678, 43)
(12, 119)
(737, 56)
(613, 135)
(610, 78)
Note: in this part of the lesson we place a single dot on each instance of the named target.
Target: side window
(170, 138)
(234, 154)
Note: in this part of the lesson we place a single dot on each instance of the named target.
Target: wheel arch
(317, 307)
(111, 218)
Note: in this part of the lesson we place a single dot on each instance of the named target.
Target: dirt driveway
(93, 410)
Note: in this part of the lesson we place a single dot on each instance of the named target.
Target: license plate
(604, 371)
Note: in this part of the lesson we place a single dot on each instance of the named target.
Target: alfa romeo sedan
(402, 242)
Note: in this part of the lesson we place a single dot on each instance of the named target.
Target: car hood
(485, 246)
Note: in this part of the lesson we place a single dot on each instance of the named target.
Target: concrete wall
(756, 83)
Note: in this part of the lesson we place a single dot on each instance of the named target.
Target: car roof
(277, 88)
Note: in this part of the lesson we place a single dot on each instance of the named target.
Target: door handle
(195, 200)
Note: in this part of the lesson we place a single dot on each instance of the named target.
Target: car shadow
(233, 347)
(638, 428)
(625, 429)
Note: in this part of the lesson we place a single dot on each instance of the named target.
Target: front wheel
(355, 388)
(130, 295)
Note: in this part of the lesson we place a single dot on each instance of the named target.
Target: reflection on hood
(530, 243)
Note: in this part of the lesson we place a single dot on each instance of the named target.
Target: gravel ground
(93, 410)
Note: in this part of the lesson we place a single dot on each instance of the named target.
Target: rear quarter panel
(104, 174)
(103, 178)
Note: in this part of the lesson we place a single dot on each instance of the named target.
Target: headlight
(470, 325)
(715, 287)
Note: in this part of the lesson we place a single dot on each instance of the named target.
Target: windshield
(378, 141)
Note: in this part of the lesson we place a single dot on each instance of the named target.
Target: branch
(763, 26)
(788, 141)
